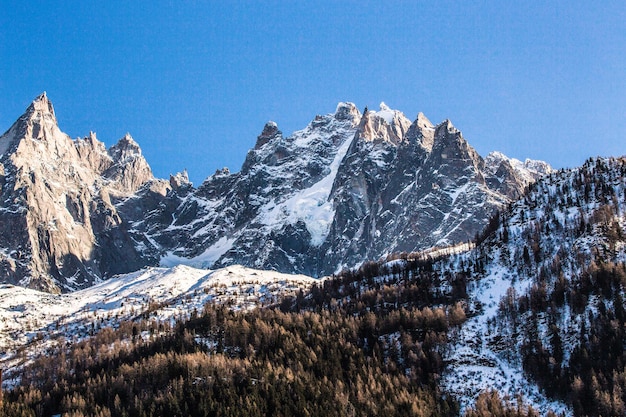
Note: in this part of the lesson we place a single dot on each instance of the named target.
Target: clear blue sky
(194, 82)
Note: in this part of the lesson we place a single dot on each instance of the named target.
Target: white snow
(204, 260)
(485, 353)
(311, 205)
(475, 367)
(385, 113)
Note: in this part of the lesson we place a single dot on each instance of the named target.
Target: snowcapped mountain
(347, 188)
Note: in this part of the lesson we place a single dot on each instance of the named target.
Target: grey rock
(345, 189)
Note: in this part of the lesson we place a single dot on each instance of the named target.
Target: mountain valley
(366, 264)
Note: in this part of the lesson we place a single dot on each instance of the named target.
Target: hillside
(547, 286)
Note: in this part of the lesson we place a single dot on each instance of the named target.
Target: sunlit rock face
(59, 227)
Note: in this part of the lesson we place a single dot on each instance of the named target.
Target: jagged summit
(59, 227)
(349, 187)
(539, 168)
(128, 139)
(422, 121)
(386, 113)
(41, 104)
(270, 131)
(125, 148)
(448, 126)
(38, 122)
(347, 111)
(180, 179)
(385, 125)
(40, 118)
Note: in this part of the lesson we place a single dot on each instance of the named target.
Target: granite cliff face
(348, 188)
(59, 227)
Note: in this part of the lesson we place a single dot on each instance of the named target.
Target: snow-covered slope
(476, 360)
(29, 319)
(533, 287)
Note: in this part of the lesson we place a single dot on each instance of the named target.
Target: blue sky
(194, 82)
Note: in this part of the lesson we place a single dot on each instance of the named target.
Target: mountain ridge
(322, 199)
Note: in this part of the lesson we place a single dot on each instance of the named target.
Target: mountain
(533, 311)
(347, 188)
(60, 229)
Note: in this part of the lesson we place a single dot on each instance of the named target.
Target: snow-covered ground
(474, 366)
(28, 316)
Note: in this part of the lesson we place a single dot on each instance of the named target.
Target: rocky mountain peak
(385, 125)
(38, 122)
(540, 167)
(270, 131)
(445, 127)
(347, 111)
(508, 169)
(495, 158)
(421, 133)
(41, 106)
(39, 119)
(422, 121)
(448, 140)
(128, 140)
(125, 148)
(181, 179)
(130, 170)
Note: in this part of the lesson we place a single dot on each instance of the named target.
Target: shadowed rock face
(347, 188)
